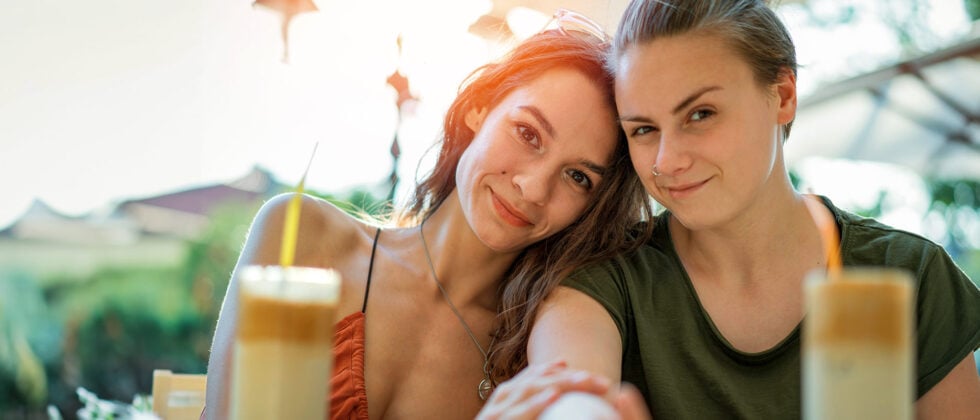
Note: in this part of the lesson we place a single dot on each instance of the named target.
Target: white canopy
(923, 114)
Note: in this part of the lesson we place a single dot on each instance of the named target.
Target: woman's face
(692, 107)
(536, 160)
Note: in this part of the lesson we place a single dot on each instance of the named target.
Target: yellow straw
(291, 226)
(828, 235)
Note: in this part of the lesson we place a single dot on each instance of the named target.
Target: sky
(107, 100)
(102, 101)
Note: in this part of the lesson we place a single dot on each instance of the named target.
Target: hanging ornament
(288, 9)
(399, 82)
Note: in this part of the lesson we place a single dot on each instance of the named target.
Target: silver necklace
(486, 385)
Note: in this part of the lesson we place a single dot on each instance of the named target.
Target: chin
(693, 218)
(493, 237)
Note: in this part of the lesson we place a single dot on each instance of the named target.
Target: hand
(526, 395)
(580, 406)
(630, 405)
(627, 404)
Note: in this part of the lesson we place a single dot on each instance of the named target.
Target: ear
(474, 118)
(785, 87)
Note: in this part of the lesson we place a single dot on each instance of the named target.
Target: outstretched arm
(573, 327)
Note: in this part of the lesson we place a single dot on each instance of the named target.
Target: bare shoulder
(325, 236)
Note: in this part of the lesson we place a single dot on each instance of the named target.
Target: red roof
(199, 200)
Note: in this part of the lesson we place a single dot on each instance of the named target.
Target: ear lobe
(786, 93)
(474, 118)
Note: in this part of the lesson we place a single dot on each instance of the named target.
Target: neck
(772, 234)
(455, 251)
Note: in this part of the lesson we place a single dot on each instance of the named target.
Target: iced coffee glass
(858, 345)
(284, 343)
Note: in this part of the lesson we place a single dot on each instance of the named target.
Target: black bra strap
(367, 289)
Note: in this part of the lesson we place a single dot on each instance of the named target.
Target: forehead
(680, 63)
(560, 87)
(566, 96)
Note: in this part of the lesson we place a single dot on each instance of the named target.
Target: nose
(672, 156)
(535, 183)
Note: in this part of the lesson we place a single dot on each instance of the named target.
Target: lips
(509, 214)
(683, 190)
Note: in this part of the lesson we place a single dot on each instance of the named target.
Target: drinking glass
(858, 345)
(284, 342)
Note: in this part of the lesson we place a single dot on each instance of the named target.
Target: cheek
(478, 154)
(761, 147)
(568, 209)
(643, 158)
(465, 169)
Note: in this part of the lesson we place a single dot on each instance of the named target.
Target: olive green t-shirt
(687, 370)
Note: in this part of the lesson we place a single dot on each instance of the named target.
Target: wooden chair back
(178, 396)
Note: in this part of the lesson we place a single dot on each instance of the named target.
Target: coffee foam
(864, 307)
(306, 283)
(292, 304)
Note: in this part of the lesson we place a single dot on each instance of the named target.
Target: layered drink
(858, 345)
(284, 343)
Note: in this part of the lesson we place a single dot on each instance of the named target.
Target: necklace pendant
(485, 389)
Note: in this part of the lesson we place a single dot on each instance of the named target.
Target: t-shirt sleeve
(606, 283)
(948, 319)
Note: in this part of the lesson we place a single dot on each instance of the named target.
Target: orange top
(348, 396)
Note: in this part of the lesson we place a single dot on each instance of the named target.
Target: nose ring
(655, 171)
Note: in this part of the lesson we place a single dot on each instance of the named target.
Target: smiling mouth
(681, 191)
(509, 214)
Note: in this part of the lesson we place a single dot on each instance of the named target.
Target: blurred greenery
(107, 332)
(28, 334)
(957, 205)
(972, 8)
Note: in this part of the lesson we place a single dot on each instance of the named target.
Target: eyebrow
(538, 115)
(683, 104)
(594, 167)
(693, 97)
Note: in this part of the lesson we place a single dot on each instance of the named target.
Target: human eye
(580, 179)
(701, 114)
(529, 135)
(640, 130)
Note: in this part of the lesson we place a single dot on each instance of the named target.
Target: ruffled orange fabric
(348, 396)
